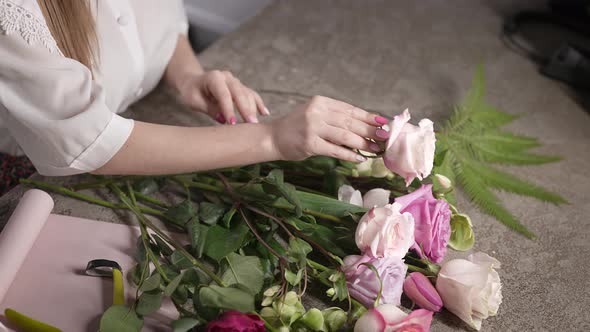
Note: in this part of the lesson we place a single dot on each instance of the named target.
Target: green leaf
(227, 217)
(328, 205)
(462, 237)
(181, 213)
(222, 241)
(322, 235)
(171, 287)
(298, 250)
(243, 270)
(119, 318)
(292, 278)
(510, 183)
(210, 213)
(163, 246)
(227, 298)
(488, 202)
(180, 261)
(180, 295)
(274, 184)
(151, 283)
(184, 324)
(149, 302)
(198, 236)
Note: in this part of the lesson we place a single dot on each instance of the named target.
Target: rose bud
(389, 318)
(420, 290)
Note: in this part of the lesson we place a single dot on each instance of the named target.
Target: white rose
(410, 149)
(373, 198)
(385, 232)
(471, 288)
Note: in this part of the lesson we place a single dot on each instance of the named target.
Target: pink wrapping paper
(43, 257)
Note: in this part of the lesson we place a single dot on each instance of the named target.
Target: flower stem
(125, 199)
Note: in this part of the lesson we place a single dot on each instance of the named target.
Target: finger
(353, 125)
(356, 113)
(220, 92)
(340, 136)
(260, 104)
(241, 99)
(329, 149)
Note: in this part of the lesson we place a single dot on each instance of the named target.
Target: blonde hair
(73, 27)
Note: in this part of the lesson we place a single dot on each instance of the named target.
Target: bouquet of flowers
(358, 236)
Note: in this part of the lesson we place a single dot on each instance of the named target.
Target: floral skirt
(12, 169)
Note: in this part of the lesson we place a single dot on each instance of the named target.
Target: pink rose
(421, 291)
(235, 321)
(410, 149)
(385, 232)
(363, 283)
(389, 318)
(432, 218)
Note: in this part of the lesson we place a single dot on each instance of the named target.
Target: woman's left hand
(217, 92)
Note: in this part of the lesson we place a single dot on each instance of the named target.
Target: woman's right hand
(327, 127)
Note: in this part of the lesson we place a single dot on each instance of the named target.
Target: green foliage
(228, 298)
(181, 213)
(149, 302)
(245, 271)
(472, 140)
(221, 241)
(151, 283)
(274, 184)
(210, 213)
(198, 234)
(184, 324)
(120, 318)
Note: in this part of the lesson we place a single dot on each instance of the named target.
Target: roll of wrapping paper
(20, 233)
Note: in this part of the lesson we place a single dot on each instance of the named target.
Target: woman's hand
(327, 127)
(216, 92)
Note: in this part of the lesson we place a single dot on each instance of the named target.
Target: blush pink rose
(389, 318)
(235, 321)
(421, 291)
(410, 149)
(432, 219)
(363, 284)
(385, 232)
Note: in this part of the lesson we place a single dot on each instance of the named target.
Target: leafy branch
(472, 140)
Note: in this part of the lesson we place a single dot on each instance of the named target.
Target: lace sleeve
(31, 27)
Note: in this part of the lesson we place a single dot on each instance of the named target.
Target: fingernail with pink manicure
(232, 120)
(382, 133)
(381, 120)
(266, 111)
(220, 118)
(252, 119)
(375, 147)
(360, 158)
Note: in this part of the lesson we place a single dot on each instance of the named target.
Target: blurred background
(210, 19)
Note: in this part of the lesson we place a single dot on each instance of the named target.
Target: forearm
(158, 149)
(183, 63)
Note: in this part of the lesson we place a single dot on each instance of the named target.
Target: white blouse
(52, 108)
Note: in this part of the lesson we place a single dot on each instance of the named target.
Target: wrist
(269, 143)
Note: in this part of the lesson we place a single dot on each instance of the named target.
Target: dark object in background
(567, 57)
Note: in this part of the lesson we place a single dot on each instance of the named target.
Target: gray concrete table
(389, 55)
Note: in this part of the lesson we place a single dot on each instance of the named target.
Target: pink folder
(42, 262)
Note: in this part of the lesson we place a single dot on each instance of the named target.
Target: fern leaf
(519, 158)
(509, 142)
(490, 117)
(487, 201)
(510, 183)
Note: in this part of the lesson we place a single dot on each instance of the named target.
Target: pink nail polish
(360, 158)
(220, 118)
(375, 147)
(252, 119)
(266, 111)
(232, 120)
(382, 133)
(381, 120)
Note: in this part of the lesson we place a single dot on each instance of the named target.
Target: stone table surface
(389, 55)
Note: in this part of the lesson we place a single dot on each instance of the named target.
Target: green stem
(149, 199)
(165, 236)
(90, 199)
(219, 189)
